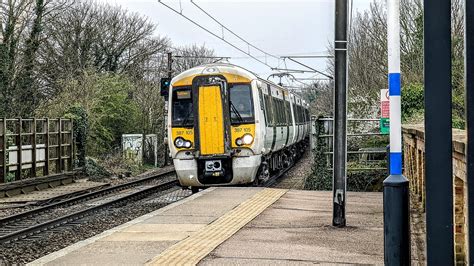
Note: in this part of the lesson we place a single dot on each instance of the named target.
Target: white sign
(132, 145)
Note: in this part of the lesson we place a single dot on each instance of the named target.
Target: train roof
(209, 69)
(233, 73)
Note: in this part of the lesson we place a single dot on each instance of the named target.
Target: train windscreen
(241, 104)
(183, 113)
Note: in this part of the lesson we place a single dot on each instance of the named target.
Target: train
(227, 127)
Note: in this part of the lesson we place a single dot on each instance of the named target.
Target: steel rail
(76, 200)
(38, 228)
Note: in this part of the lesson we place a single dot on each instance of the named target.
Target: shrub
(105, 99)
(412, 101)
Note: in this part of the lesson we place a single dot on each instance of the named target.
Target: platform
(221, 226)
(77, 187)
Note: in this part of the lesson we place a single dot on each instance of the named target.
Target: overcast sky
(289, 27)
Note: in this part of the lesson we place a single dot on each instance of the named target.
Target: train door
(270, 123)
(212, 125)
(293, 121)
(281, 130)
(289, 122)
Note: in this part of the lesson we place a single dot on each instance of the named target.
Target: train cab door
(211, 103)
(270, 130)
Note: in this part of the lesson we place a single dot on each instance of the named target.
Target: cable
(317, 71)
(213, 34)
(229, 30)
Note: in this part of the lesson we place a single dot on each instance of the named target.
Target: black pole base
(396, 218)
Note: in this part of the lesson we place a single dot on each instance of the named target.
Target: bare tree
(191, 56)
(21, 29)
(106, 38)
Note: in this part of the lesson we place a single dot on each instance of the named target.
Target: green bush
(105, 101)
(94, 170)
(321, 177)
(80, 128)
(413, 104)
(412, 101)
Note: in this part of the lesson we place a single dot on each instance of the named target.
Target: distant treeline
(368, 62)
(63, 55)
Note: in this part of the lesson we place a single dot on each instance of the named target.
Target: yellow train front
(226, 126)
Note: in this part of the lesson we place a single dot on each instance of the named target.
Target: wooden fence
(35, 147)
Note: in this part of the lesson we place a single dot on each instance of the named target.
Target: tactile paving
(194, 248)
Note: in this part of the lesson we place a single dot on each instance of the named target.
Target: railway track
(35, 221)
(275, 179)
(41, 219)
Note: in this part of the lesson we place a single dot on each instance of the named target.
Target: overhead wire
(235, 34)
(213, 34)
(256, 58)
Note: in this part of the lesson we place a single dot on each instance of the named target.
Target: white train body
(226, 126)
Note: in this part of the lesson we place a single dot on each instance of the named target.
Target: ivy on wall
(80, 126)
(321, 177)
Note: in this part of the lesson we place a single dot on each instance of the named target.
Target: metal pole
(340, 116)
(438, 132)
(396, 195)
(165, 115)
(469, 79)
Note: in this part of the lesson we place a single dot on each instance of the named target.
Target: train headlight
(179, 142)
(188, 144)
(247, 139)
(239, 142)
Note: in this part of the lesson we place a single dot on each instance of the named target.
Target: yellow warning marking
(193, 249)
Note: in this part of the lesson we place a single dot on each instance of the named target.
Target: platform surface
(221, 226)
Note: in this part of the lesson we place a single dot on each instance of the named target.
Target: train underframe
(278, 161)
(232, 172)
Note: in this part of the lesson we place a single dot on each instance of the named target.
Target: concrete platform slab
(52, 193)
(113, 253)
(293, 230)
(296, 230)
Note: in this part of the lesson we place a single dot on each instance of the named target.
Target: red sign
(384, 104)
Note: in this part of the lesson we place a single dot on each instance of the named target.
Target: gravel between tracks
(11, 209)
(24, 251)
(295, 177)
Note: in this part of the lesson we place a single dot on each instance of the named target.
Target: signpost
(384, 111)
(396, 201)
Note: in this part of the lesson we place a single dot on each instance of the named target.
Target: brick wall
(414, 163)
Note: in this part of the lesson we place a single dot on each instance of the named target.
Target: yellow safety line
(193, 249)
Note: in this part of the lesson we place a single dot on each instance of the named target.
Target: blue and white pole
(396, 189)
(394, 88)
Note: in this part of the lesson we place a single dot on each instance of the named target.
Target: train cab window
(241, 104)
(182, 108)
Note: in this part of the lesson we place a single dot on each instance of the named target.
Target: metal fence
(35, 147)
(371, 157)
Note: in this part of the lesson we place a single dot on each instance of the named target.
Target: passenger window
(268, 108)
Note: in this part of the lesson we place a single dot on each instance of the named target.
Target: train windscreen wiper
(236, 112)
(185, 120)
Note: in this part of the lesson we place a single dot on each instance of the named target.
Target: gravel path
(24, 251)
(295, 177)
